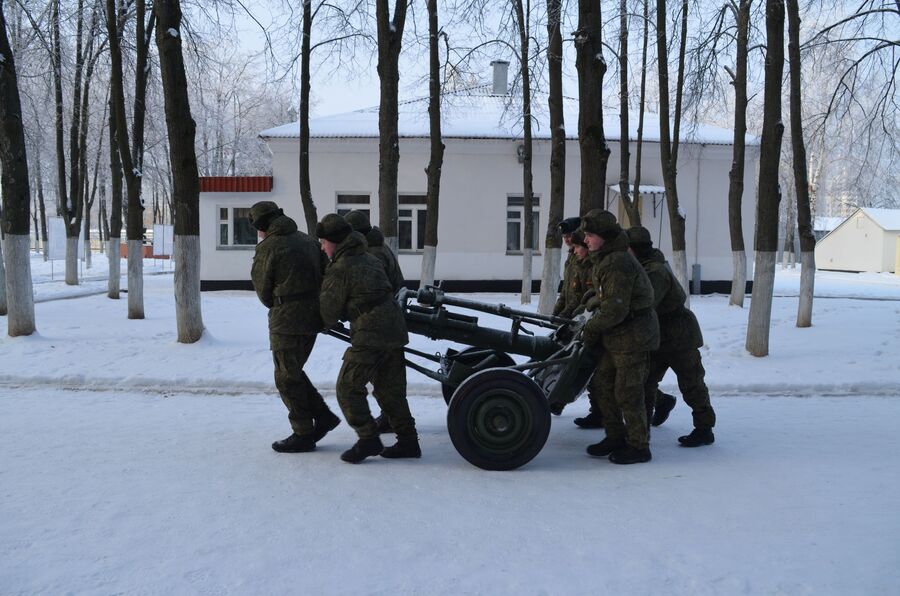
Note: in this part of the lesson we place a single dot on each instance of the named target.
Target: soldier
(577, 277)
(567, 227)
(287, 274)
(625, 324)
(359, 221)
(680, 338)
(357, 289)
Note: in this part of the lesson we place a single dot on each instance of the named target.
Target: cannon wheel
(502, 360)
(498, 419)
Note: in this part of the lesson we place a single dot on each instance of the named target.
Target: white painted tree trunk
(807, 288)
(761, 303)
(738, 278)
(549, 280)
(526, 275)
(19, 294)
(3, 306)
(188, 315)
(87, 253)
(429, 259)
(135, 280)
(71, 261)
(115, 268)
(679, 268)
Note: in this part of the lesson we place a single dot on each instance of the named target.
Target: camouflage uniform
(356, 289)
(359, 221)
(286, 274)
(680, 336)
(626, 326)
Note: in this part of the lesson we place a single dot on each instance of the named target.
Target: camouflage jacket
(678, 327)
(375, 240)
(566, 288)
(288, 265)
(356, 289)
(576, 281)
(624, 319)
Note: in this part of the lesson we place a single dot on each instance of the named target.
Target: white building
(480, 226)
(868, 240)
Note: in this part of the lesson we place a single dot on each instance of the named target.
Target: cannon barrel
(433, 296)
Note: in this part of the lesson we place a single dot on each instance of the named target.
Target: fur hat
(333, 228)
(263, 213)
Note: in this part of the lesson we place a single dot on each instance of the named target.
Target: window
(411, 214)
(515, 224)
(350, 202)
(235, 229)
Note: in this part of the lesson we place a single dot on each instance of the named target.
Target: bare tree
(736, 175)
(642, 100)
(185, 176)
(801, 177)
(766, 245)
(553, 241)
(523, 17)
(631, 208)
(591, 67)
(390, 36)
(436, 160)
(114, 234)
(14, 184)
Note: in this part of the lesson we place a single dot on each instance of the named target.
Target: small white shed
(865, 241)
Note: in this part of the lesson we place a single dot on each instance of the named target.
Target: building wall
(477, 177)
(858, 244)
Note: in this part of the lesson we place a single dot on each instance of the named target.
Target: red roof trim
(235, 184)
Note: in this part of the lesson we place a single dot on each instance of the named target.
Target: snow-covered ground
(132, 464)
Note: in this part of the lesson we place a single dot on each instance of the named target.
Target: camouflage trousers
(618, 386)
(688, 369)
(386, 370)
(302, 399)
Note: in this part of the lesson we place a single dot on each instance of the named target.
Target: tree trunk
(185, 176)
(66, 211)
(17, 298)
(634, 216)
(553, 240)
(4, 306)
(591, 67)
(306, 198)
(42, 208)
(522, 16)
(801, 179)
(390, 35)
(643, 102)
(436, 161)
(787, 249)
(736, 175)
(668, 149)
(766, 242)
(114, 233)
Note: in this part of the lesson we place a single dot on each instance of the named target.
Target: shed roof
(478, 114)
(887, 219)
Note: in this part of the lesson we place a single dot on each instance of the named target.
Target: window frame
(345, 202)
(230, 228)
(417, 204)
(512, 207)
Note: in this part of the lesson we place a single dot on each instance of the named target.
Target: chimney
(501, 76)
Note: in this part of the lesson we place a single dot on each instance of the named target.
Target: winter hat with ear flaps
(262, 214)
(600, 222)
(359, 221)
(333, 228)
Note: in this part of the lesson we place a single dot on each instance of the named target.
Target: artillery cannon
(499, 411)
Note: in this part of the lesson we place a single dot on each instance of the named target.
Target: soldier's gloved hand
(591, 335)
(592, 304)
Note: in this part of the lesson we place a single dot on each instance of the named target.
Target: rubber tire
(507, 395)
(504, 360)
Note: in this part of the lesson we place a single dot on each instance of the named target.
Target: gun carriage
(499, 411)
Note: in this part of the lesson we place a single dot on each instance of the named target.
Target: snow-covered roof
(887, 219)
(826, 224)
(478, 114)
(646, 189)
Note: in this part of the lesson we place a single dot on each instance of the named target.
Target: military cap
(639, 235)
(600, 222)
(262, 214)
(578, 238)
(359, 221)
(569, 225)
(333, 228)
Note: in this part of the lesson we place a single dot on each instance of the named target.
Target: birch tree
(769, 197)
(14, 184)
(185, 177)
(553, 241)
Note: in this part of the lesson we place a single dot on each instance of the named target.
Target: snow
(826, 224)
(133, 464)
(478, 114)
(888, 219)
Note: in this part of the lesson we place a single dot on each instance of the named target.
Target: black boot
(593, 420)
(664, 405)
(605, 447)
(698, 437)
(384, 424)
(629, 455)
(324, 424)
(362, 449)
(404, 447)
(295, 444)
